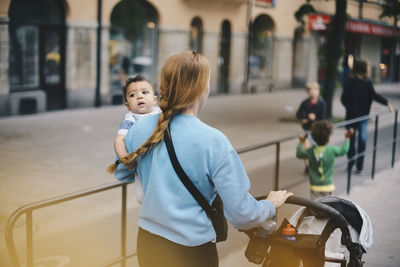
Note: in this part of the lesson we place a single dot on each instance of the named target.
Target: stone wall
(81, 64)
(4, 85)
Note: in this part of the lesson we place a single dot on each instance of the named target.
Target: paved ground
(54, 153)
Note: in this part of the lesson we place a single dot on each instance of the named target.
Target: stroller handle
(328, 210)
(332, 213)
(339, 219)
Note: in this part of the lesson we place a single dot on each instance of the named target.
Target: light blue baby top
(208, 158)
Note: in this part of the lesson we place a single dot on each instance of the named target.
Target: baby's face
(140, 97)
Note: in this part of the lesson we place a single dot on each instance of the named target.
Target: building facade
(51, 57)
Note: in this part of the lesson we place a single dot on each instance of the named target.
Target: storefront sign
(372, 29)
(317, 22)
(266, 2)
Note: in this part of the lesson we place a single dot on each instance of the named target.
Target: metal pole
(123, 226)
(245, 88)
(348, 180)
(375, 144)
(394, 137)
(29, 243)
(276, 181)
(97, 101)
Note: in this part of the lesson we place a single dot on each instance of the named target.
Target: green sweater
(321, 163)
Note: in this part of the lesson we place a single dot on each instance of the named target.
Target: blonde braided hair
(184, 78)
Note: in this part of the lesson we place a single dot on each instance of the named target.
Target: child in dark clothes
(311, 109)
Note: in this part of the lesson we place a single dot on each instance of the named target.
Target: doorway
(133, 43)
(37, 49)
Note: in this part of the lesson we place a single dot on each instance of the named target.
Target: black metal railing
(277, 143)
(29, 208)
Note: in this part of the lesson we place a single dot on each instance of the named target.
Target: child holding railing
(321, 157)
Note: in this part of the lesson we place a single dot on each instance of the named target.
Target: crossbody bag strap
(183, 177)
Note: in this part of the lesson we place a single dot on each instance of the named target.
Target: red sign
(267, 2)
(317, 22)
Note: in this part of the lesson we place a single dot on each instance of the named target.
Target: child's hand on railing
(390, 107)
(302, 138)
(349, 133)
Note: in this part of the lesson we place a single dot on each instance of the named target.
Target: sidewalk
(379, 198)
(55, 153)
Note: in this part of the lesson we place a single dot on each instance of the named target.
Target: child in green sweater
(322, 157)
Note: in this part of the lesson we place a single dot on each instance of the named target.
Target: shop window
(24, 57)
(37, 45)
(196, 35)
(261, 47)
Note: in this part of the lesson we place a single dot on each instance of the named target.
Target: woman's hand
(278, 197)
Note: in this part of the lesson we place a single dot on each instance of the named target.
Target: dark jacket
(319, 109)
(357, 97)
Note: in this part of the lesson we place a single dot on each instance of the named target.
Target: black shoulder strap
(182, 175)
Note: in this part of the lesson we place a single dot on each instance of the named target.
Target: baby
(141, 101)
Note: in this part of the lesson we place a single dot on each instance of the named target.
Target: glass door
(52, 62)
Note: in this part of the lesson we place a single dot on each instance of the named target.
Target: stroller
(320, 227)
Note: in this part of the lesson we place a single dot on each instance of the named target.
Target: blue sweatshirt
(208, 158)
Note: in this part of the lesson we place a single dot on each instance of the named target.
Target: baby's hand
(349, 133)
(302, 138)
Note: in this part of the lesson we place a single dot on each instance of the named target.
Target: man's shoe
(359, 172)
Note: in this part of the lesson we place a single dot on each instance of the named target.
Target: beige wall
(82, 10)
(282, 15)
(4, 6)
(179, 13)
(283, 62)
(108, 6)
(238, 62)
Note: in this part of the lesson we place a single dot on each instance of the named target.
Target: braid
(151, 142)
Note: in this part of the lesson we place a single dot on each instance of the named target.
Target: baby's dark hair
(133, 79)
(320, 132)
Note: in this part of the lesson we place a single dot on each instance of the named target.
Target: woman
(173, 229)
(357, 96)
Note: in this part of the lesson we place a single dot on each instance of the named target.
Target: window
(24, 57)
(196, 35)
